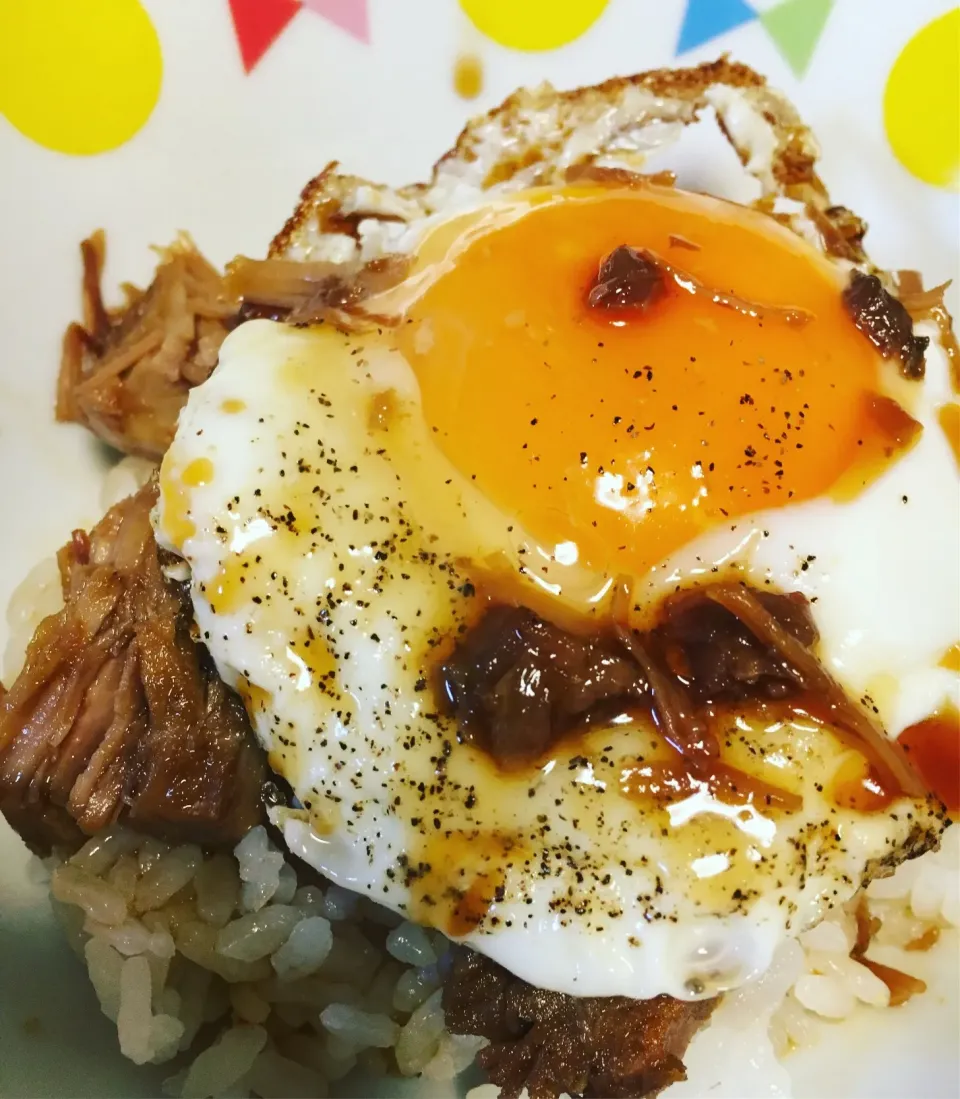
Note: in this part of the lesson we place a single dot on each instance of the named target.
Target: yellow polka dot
(921, 104)
(78, 76)
(533, 24)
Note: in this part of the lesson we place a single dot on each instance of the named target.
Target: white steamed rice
(256, 975)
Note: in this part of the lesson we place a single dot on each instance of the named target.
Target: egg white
(365, 536)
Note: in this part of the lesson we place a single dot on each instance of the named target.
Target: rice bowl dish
(395, 652)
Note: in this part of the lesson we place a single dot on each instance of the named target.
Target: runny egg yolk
(616, 436)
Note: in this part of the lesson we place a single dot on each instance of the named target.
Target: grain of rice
(305, 950)
(131, 937)
(124, 875)
(414, 986)
(217, 886)
(166, 1033)
(420, 1037)
(259, 864)
(100, 901)
(257, 934)
(104, 965)
(455, 1053)
(864, 984)
(361, 1028)
(829, 936)
(824, 995)
(198, 942)
(134, 1015)
(98, 854)
(143, 1037)
(409, 943)
(792, 1025)
(166, 876)
(220, 1066)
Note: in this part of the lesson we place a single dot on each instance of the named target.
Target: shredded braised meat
(517, 684)
(118, 712)
(924, 305)
(552, 1044)
(307, 292)
(125, 373)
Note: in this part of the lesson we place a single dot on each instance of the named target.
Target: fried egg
(349, 501)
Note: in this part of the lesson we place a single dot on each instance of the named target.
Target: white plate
(224, 154)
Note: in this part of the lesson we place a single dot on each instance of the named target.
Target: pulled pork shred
(551, 1044)
(310, 291)
(125, 373)
(117, 712)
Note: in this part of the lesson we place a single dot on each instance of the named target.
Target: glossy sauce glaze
(933, 747)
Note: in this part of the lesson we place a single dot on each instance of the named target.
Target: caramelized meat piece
(553, 1044)
(516, 682)
(627, 278)
(719, 656)
(118, 712)
(125, 373)
(885, 322)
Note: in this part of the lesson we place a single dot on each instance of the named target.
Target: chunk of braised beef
(516, 682)
(885, 322)
(118, 712)
(552, 1044)
(627, 278)
(720, 657)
